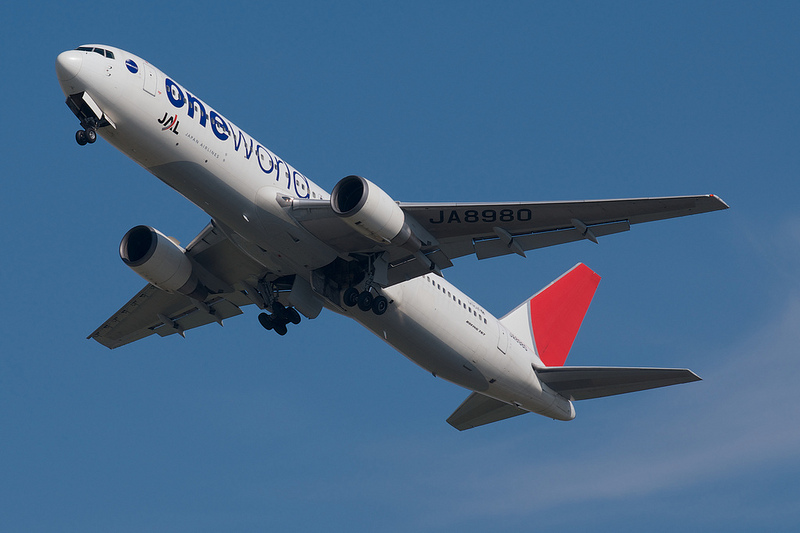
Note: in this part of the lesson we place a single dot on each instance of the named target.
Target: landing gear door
(150, 81)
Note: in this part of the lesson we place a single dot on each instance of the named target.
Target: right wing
(220, 264)
(156, 311)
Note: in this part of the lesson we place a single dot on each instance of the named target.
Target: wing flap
(485, 249)
(194, 317)
(478, 410)
(584, 383)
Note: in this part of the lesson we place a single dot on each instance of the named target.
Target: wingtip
(723, 204)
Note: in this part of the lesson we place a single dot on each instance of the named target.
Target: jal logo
(169, 123)
(132, 66)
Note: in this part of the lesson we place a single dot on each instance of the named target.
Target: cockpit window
(103, 52)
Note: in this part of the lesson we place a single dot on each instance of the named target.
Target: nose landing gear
(90, 115)
(88, 135)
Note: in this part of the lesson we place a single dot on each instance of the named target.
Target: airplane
(279, 241)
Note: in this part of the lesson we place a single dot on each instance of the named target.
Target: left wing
(451, 230)
(490, 230)
(220, 265)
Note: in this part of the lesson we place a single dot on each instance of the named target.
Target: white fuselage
(238, 182)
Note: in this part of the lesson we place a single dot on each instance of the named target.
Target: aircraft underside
(280, 242)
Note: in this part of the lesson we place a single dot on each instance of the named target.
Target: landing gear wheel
(266, 321)
(80, 137)
(280, 329)
(293, 315)
(350, 297)
(365, 301)
(91, 135)
(380, 305)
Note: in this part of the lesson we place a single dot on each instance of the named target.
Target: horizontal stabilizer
(478, 410)
(584, 383)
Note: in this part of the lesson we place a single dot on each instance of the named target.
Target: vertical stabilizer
(550, 320)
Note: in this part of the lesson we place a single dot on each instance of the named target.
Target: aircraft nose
(68, 64)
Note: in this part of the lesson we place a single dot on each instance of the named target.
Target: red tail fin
(557, 311)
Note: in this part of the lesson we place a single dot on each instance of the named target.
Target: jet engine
(153, 256)
(370, 211)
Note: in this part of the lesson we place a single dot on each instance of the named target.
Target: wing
(220, 265)
(451, 230)
(490, 230)
(584, 383)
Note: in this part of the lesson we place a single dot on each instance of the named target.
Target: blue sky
(328, 428)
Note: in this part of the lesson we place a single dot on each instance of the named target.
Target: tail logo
(557, 312)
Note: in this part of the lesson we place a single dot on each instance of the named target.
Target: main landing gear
(279, 318)
(365, 301)
(265, 295)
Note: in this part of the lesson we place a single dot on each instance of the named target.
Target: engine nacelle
(161, 262)
(369, 210)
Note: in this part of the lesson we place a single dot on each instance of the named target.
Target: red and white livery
(280, 242)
